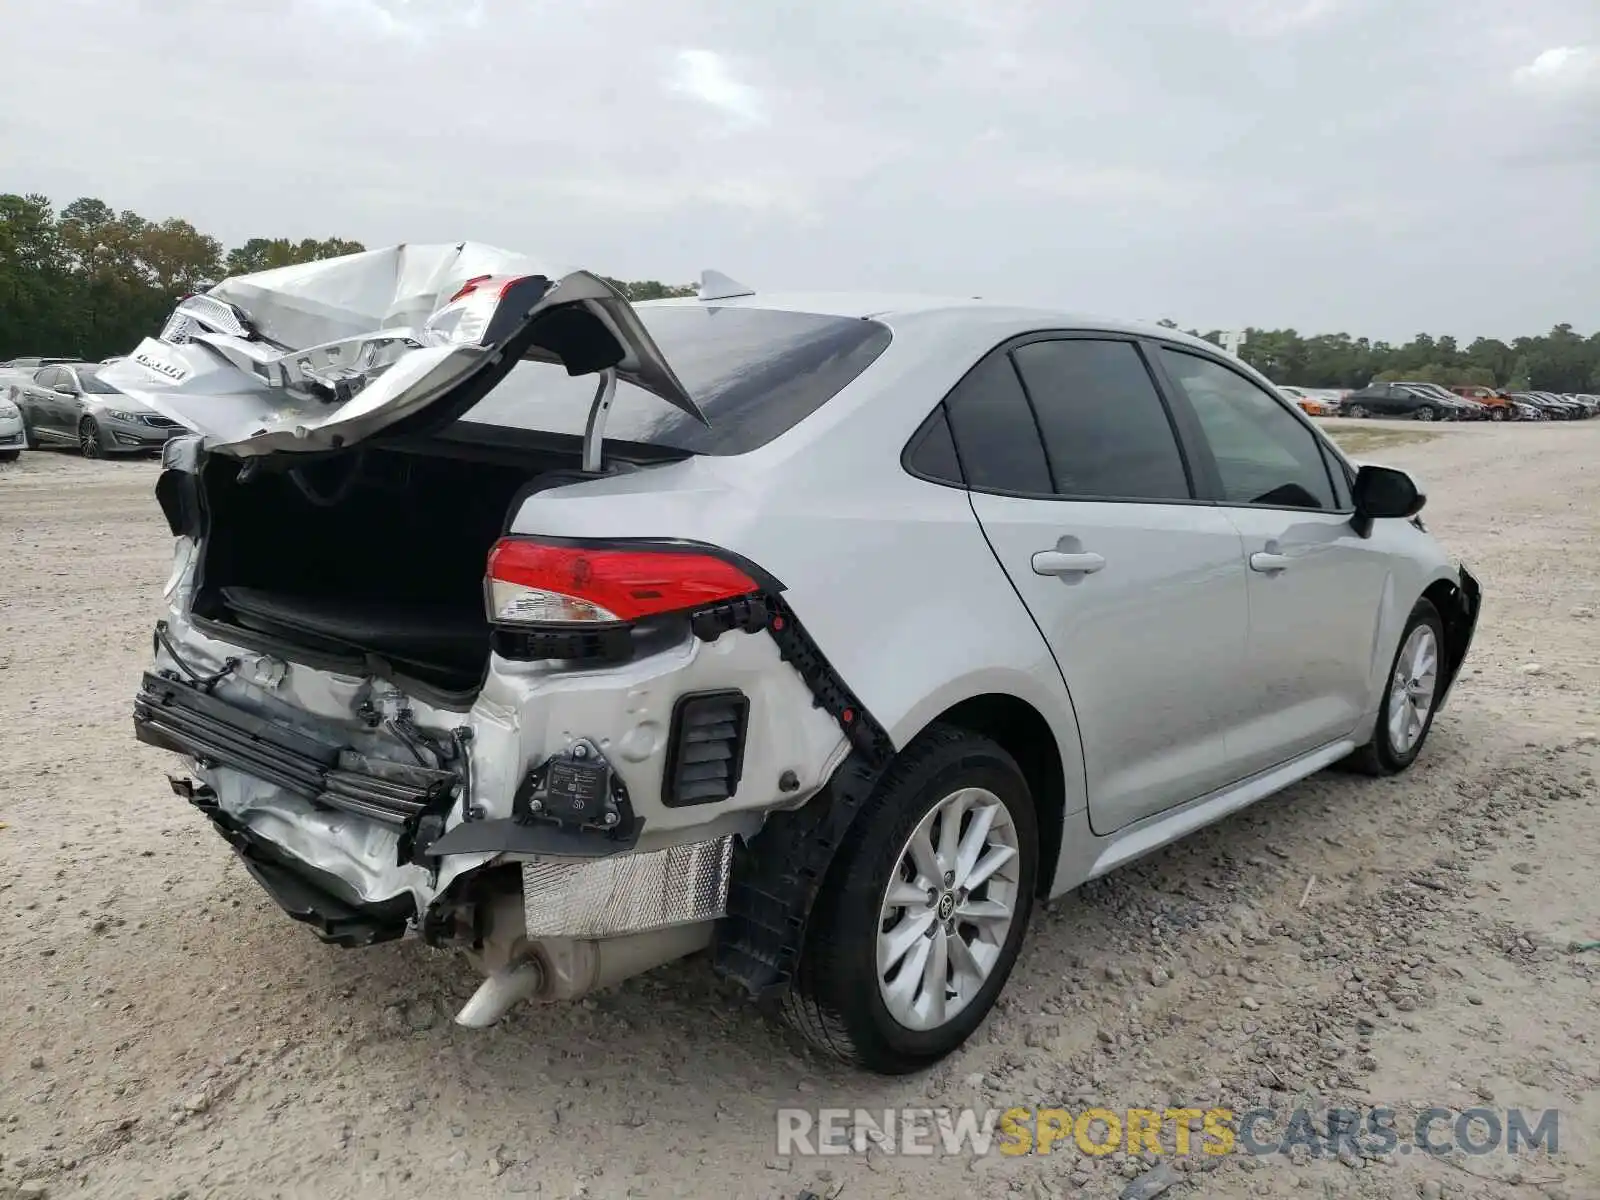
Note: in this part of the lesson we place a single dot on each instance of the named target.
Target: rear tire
(857, 995)
(1401, 730)
(10, 455)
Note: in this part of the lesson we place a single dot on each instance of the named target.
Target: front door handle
(1269, 563)
(1058, 562)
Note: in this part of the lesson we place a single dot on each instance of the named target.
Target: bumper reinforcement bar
(175, 715)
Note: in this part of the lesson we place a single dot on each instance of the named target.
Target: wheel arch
(1456, 601)
(1021, 731)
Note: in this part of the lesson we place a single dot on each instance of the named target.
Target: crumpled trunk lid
(318, 356)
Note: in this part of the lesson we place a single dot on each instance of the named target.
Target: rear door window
(1106, 431)
(994, 431)
(932, 452)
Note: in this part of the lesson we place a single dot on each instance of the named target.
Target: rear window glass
(754, 372)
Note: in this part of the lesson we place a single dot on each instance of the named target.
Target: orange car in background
(1489, 396)
(1312, 406)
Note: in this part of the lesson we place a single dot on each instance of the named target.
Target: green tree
(652, 289)
(263, 254)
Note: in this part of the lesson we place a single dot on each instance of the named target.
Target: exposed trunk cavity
(375, 554)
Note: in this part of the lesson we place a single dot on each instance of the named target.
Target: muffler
(559, 969)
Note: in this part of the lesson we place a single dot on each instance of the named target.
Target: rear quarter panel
(891, 575)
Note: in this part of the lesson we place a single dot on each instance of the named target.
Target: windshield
(755, 372)
(93, 384)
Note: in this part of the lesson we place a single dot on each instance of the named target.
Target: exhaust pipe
(559, 969)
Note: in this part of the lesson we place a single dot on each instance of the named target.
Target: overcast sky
(1374, 166)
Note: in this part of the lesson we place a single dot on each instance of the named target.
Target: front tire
(89, 439)
(1425, 414)
(1410, 697)
(1497, 414)
(1357, 411)
(922, 914)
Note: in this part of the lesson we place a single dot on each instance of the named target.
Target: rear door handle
(1269, 563)
(1058, 562)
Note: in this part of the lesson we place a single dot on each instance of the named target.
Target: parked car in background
(12, 437)
(15, 372)
(70, 405)
(1307, 401)
(1498, 402)
(1399, 400)
(1589, 404)
(1522, 410)
(1553, 409)
(1569, 409)
(1462, 408)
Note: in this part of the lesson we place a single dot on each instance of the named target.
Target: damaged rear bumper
(571, 885)
(306, 894)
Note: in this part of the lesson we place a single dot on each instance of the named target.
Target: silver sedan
(70, 405)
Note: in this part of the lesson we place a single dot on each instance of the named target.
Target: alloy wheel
(948, 908)
(88, 438)
(1411, 695)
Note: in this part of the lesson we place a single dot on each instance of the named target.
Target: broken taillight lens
(534, 582)
(469, 316)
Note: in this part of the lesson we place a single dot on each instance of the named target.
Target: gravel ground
(168, 1033)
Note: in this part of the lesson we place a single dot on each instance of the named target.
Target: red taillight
(534, 582)
(469, 287)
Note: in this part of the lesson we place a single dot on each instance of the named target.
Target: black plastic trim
(610, 643)
(177, 492)
(1470, 595)
(776, 875)
(828, 688)
(508, 836)
(676, 744)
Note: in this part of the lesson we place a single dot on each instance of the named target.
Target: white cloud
(411, 21)
(704, 76)
(1562, 69)
(1063, 180)
(1214, 160)
(1269, 18)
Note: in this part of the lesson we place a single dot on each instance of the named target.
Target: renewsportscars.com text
(1181, 1131)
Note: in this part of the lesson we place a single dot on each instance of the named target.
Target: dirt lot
(166, 1032)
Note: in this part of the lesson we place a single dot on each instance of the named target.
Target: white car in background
(828, 632)
(12, 438)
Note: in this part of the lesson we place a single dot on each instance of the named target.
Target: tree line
(1559, 361)
(89, 282)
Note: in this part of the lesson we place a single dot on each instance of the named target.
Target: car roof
(901, 309)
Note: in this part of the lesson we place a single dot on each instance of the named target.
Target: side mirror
(1383, 492)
